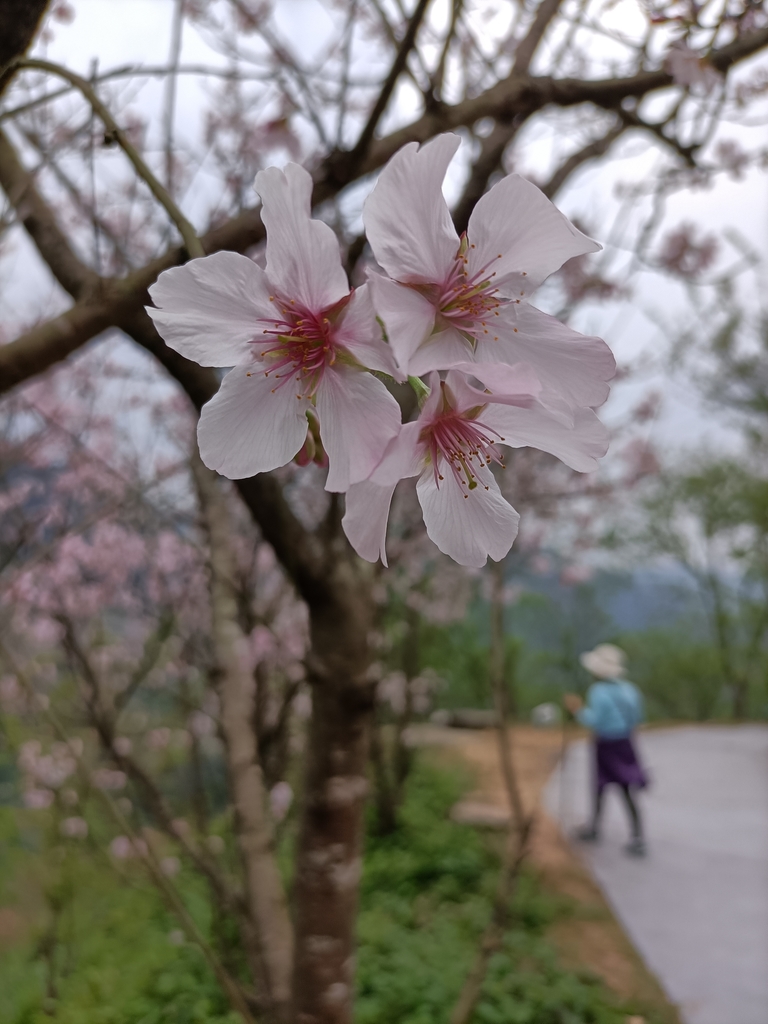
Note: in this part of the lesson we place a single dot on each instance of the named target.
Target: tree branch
(155, 801)
(515, 97)
(575, 160)
(298, 550)
(631, 120)
(161, 881)
(84, 207)
(161, 194)
(526, 48)
(493, 936)
(41, 224)
(19, 22)
(491, 153)
(398, 64)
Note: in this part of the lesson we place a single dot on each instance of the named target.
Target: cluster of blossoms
(309, 355)
(44, 772)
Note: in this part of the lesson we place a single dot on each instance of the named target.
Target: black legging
(632, 809)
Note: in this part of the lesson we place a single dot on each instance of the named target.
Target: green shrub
(427, 895)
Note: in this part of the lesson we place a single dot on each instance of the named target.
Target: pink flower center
(469, 303)
(301, 345)
(464, 443)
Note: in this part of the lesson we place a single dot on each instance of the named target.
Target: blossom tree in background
(116, 603)
(110, 197)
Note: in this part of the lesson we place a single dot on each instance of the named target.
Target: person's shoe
(586, 834)
(635, 847)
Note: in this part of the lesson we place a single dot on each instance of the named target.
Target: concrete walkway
(697, 907)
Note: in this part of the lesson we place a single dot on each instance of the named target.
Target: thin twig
(187, 231)
(169, 112)
(520, 825)
(155, 801)
(493, 936)
(398, 64)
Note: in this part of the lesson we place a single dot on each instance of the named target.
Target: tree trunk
(19, 21)
(329, 855)
(740, 690)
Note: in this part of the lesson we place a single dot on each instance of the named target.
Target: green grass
(426, 896)
(115, 958)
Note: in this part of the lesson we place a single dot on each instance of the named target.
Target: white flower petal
(303, 258)
(578, 446)
(249, 428)
(359, 333)
(515, 385)
(515, 219)
(468, 529)
(404, 456)
(358, 419)
(365, 519)
(440, 351)
(573, 365)
(406, 218)
(208, 310)
(408, 317)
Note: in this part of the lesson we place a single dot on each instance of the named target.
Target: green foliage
(680, 676)
(544, 639)
(426, 897)
(459, 655)
(427, 894)
(114, 950)
(714, 522)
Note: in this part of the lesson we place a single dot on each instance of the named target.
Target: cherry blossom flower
(450, 448)
(123, 745)
(280, 799)
(37, 799)
(108, 779)
(685, 254)
(691, 69)
(449, 300)
(74, 828)
(298, 340)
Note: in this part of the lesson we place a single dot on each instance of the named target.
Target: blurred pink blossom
(109, 779)
(158, 739)
(201, 724)
(685, 254)
(74, 828)
(38, 799)
(280, 800)
(690, 69)
(575, 574)
(123, 848)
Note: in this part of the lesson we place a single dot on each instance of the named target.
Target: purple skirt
(616, 761)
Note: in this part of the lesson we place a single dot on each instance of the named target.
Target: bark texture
(329, 858)
(19, 21)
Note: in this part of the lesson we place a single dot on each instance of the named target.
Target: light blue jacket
(613, 709)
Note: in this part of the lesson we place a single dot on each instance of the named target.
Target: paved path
(697, 906)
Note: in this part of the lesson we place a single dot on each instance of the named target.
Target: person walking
(613, 709)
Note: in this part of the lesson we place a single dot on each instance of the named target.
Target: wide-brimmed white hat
(606, 661)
